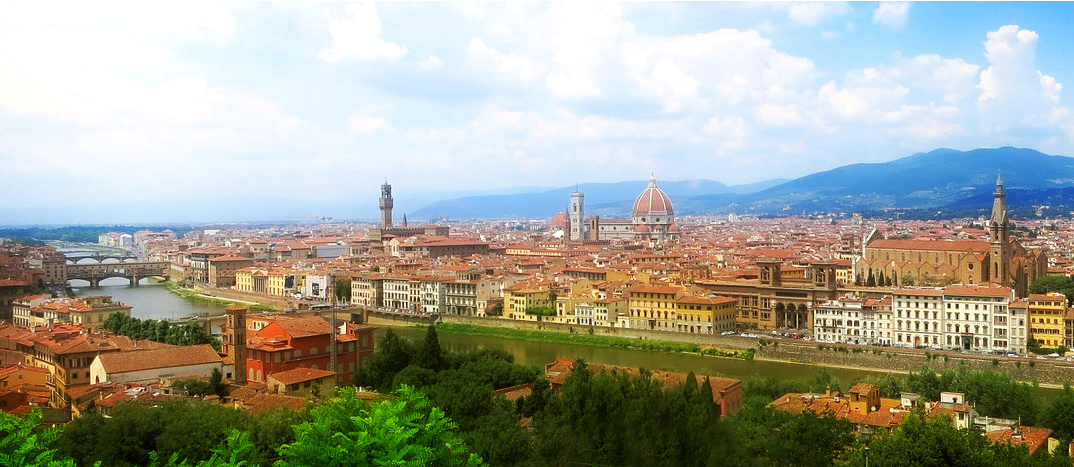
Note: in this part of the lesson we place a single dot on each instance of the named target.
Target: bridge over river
(95, 273)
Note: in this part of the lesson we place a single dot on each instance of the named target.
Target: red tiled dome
(674, 228)
(641, 229)
(653, 202)
(559, 220)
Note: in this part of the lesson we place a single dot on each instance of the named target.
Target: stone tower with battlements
(386, 205)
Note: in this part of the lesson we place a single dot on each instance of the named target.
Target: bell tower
(235, 340)
(576, 216)
(998, 227)
(386, 205)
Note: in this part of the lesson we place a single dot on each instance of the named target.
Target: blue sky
(246, 110)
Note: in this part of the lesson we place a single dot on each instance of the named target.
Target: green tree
(871, 280)
(392, 355)
(430, 355)
(1059, 415)
(538, 398)
(216, 383)
(23, 444)
(406, 430)
(934, 442)
(1054, 283)
(135, 430)
(342, 289)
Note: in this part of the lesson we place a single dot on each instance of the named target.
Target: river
(541, 353)
(154, 301)
(151, 300)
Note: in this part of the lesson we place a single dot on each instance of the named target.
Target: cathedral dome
(652, 202)
(559, 221)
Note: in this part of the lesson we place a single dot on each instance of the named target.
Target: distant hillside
(944, 179)
(605, 199)
(936, 182)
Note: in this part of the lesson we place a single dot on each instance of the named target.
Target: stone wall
(277, 303)
(1048, 371)
(723, 342)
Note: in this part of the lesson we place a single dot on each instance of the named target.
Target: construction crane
(324, 221)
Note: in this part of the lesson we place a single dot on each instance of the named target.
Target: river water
(153, 301)
(542, 353)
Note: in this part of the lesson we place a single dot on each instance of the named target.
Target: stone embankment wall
(704, 340)
(1048, 371)
(277, 303)
(398, 320)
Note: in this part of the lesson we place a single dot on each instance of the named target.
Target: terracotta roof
(693, 299)
(652, 202)
(300, 375)
(976, 246)
(263, 403)
(1031, 437)
(303, 326)
(223, 259)
(655, 289)
(124, 362)
(978, 290)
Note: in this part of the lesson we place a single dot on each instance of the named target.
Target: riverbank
(1046, 373)
(195, 295)
(591, 339)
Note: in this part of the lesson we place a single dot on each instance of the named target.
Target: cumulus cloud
(524, 90)
(431, 62)
(813, 13)
(365, 124)
(358, 37)
(1014, 94)
(893, 15)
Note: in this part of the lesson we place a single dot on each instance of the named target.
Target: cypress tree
(431, 356)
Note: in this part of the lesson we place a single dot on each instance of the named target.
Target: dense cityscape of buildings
(955, 285)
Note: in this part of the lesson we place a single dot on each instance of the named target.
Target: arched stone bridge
(94, 273)
(76, 256)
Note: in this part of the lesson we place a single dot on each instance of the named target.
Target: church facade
(1001, 260)
(652, 219)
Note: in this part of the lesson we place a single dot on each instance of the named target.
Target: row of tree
(189, 333)
(608, 419)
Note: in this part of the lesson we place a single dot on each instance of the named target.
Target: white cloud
(571, 87)
(1014, 94)
(358, 37)
(813, 13)
(893, 15)
(558, 89)
(365, 124)
(514, 66)
(431, 62)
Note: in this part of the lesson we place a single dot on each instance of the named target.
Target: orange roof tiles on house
(263, 403)
(932, 245)
(515, 393)
(979, 290)
(1032, 438)
(300, 375)
(696, 300)
(655, 289)
(125, 362)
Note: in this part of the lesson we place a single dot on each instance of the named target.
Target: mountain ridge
(933, 181)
